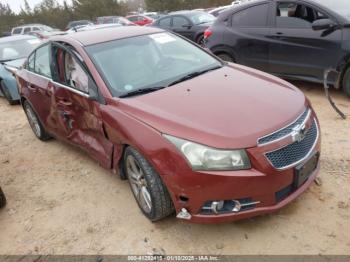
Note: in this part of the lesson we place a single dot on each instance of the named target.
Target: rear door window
(255, 16)
(179, 21)
(42, 61)
(17, 31)
(26, 30)
(165, 22)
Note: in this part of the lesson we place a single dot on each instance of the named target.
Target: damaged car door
(76, 104)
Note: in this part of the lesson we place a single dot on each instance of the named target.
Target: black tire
(161, 203)
(6, 94)
(346, 82)
(35, 123)
(2, 199)
(226, 57)
(200, 40)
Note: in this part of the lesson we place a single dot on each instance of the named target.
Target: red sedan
(140, 19)
(211, 141)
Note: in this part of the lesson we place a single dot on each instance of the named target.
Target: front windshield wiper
(10, 60)
(193, 75)
(142, 91)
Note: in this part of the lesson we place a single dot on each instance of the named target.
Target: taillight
(208, 33)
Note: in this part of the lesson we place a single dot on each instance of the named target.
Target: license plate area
(304, 171)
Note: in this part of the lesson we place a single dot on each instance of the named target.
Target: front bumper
(265, 185)
(259, 210)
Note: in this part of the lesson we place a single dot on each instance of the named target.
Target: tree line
(54, 14)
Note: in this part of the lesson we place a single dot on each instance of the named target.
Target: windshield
(148, 61)
(202, 18)
(13, 50)
(341, 7)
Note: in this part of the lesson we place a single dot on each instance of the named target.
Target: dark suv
(295, 39)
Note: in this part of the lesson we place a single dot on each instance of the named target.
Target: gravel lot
(61, 202)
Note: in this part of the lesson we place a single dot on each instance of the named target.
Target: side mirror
(323, 24)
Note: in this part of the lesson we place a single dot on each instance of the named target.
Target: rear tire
(200, 40)
(226, 57)
(2, 199)
(35, 123)
(147, 187)
(346, 82)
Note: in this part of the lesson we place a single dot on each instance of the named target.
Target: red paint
(228, 108)
(140, 19)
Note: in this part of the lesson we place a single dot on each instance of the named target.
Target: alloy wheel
(138, 184)
(33, 121)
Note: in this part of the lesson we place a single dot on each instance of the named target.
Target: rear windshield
(147, 61)
(13, 50)
(202, 18)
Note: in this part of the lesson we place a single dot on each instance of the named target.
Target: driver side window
(294, 15)
(70, 72)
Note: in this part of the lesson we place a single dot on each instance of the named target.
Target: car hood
(227, 108)
(15, 63)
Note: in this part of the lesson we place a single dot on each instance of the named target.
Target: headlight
(210, 159)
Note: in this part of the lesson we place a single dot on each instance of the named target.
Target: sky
(16, 4)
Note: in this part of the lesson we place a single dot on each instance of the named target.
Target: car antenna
(326, 88)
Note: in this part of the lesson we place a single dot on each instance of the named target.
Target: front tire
(2, 199)
(226, 57)
(346, 82)
(35, 123)
(147, 187)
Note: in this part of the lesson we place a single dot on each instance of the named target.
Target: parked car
(292, 39)
(91, 27)
(25, 29)
(44, 35)
(78, 23)
(190, 24)
(153, 15)
(217, 11)
(2, 199)
(13, 52)
(140, 19)
(207, 139)
(114, 20)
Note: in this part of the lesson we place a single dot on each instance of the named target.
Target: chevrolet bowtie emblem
(299, 133)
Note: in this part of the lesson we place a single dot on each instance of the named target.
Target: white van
(25, 29)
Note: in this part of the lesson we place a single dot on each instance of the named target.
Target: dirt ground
(61, 202)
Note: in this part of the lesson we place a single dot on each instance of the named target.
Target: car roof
(29, 25)
(16, 38)
(102, 35)
(188, 13)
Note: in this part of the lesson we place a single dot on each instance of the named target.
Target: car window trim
(268, 25)
(80, 61)
(59, 84)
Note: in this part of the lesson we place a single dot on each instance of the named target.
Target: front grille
(296, 152)
(285, 131)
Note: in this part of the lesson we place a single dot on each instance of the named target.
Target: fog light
(216, 206)
(228, 206)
